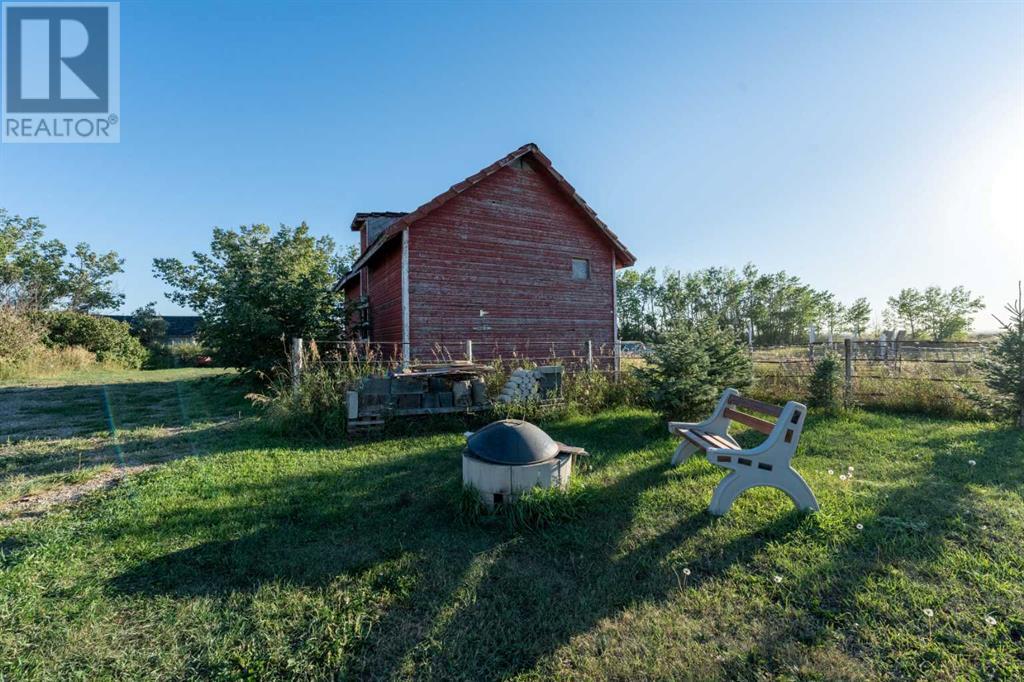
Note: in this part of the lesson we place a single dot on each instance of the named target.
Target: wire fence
(880, 372)
(877, 372)
(572, 354)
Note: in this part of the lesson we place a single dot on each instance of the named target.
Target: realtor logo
(61, 72)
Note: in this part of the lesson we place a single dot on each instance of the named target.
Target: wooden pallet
(365, 425)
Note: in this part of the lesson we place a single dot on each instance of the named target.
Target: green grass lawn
(245, 555)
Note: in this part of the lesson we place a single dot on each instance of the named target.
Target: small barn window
(580, 268)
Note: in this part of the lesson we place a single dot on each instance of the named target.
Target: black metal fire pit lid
(512, 442)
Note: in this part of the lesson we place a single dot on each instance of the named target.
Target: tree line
(37, 273)
(775, 308)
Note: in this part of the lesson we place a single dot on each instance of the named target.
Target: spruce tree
(1004, 366)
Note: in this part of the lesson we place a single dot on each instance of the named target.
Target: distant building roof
(182, 325)
(177, 325)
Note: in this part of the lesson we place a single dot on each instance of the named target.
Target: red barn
(510, 258)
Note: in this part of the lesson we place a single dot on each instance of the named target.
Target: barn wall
(505, 246)
(384, 286)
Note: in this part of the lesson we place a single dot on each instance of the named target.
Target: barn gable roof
(623, 256)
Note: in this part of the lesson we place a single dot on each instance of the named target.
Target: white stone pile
(521, 386)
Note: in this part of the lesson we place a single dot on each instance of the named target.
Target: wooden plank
(696, 438)
(755, 405)
(761, 425)
(706, 440)
(719, 441)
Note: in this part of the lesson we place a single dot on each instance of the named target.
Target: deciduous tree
(255, 288)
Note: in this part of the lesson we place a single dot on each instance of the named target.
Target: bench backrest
(753, 422)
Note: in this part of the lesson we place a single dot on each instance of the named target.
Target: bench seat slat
(706, 440)
(755, 405)
(720, 441)
(753, 422)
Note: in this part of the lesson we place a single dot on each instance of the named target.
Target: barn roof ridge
(407, 220)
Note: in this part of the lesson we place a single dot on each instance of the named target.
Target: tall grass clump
(24, 353)
(534, 509)
(315, 405)
(20, 338)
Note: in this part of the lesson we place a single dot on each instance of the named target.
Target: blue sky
(864, 147)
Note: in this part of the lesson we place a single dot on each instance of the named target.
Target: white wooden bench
(768, 464)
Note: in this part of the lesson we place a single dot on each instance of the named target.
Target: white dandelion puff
(860, 526)
(849, 469)
(971, 462)
(686, 571)
(830, 472)
(777, 579)
(989, 620)
(929, 613)
(842, 477)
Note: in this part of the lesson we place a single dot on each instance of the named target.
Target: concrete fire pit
(509, 457)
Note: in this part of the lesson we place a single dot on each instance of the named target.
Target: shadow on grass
(910, 530)
(388, 521)
(41, 425)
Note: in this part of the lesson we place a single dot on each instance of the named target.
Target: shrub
(164, 356)
(20, 338)
(109, 339)
(688, 371)
(826, 386)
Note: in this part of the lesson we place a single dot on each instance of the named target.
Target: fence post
(590, 355)
(848, 348)
(618, 361)
(469, 350)
(296, 361)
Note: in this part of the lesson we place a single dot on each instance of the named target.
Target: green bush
(688, 371)
(826, 385)
(20, 338)
(166, 356)
(109, 339)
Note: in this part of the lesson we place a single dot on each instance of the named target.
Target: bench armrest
(716, 423)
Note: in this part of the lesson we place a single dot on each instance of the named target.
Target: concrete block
(478, 389)
(460, 392)
(407, 385)
(379, 385)
(409, 401)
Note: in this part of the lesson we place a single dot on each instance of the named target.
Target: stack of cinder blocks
(522, 385)
(532, 384)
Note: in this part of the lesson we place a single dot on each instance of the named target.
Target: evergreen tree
(1004, 367)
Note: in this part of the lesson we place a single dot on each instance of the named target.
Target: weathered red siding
(505, 246)
(384, 290)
